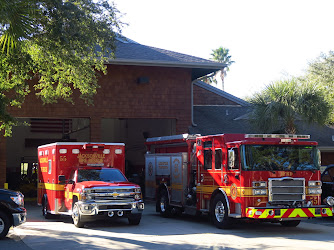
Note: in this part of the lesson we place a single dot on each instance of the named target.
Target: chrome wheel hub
(2, 225)
(220, 211)
(75, 214)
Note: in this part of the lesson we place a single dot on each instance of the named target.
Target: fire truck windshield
(104, 174)
(279, 157)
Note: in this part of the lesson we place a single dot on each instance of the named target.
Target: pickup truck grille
(286, 190)
(114, 194)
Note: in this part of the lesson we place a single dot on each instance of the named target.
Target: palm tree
(222, 55)
(17, 22)
(282, 103)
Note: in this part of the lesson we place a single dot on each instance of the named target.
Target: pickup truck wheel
(290, 223)
(163, 203)
(4, 225)
(219, 212)
(77, 221)
(134, 220)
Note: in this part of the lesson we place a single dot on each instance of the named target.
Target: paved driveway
(155, 232)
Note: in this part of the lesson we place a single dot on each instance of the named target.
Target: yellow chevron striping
(298, 212)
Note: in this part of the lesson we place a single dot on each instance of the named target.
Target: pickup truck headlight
(138, 195)
(18, 200)
(86, 194)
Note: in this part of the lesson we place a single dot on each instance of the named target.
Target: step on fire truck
(267, 177)
(86, 181)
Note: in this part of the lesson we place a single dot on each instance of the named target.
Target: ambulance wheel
(163, 204)
(219, 212)
(4, 225)
(134, 220)
(77, 221)
(45, 212)
(290, 223)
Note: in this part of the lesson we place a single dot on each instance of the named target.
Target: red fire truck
(86, 181)
(269, 177)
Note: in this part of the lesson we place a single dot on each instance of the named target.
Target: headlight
(314, 183)
(259, 191)
(137, 194)
(314, 190)
(86, 194)
(18, 200)
(259, 184)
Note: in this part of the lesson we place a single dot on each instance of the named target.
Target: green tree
(220, 55)
(282, 103)
(62, 44)
(321, 71)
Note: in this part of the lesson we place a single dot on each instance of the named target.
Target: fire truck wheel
(77, 221)
(290, 223)
(134, 220)
(4, 224)
(163, 203)
(219, 212)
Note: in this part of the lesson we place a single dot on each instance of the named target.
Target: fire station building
(146, 92)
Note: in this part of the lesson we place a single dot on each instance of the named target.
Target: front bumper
(95, 208)
(19, 219)
(289, 213)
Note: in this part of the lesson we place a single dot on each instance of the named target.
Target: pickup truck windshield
(107, 175)
(279, 157)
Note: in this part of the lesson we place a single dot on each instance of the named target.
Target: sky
(269, 40)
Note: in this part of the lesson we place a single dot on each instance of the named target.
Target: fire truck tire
(290, 223)
(163, 204)
(219, 212)
(134, 220)
(45, 212)
(77, 221)
(4, 225)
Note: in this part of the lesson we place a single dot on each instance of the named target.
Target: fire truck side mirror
(231, 158)
(61, 179)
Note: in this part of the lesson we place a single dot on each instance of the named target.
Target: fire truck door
(232, 179)
(150, 181)
(69, 188)
(205, 180)
(178, 178)
(69, 195)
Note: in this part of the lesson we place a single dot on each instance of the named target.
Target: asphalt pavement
(156, 232)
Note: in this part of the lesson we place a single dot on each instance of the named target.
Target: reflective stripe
(51, 186)
(242, 191)
(269, 213)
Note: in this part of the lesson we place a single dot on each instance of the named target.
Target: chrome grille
(286, 189)
(112, 194)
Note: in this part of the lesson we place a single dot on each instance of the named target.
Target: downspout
(192, 105)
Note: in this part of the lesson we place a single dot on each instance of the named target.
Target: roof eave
(198, 69)
(214, 66)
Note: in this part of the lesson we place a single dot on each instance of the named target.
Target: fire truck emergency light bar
(172, 137)
(282, 136)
